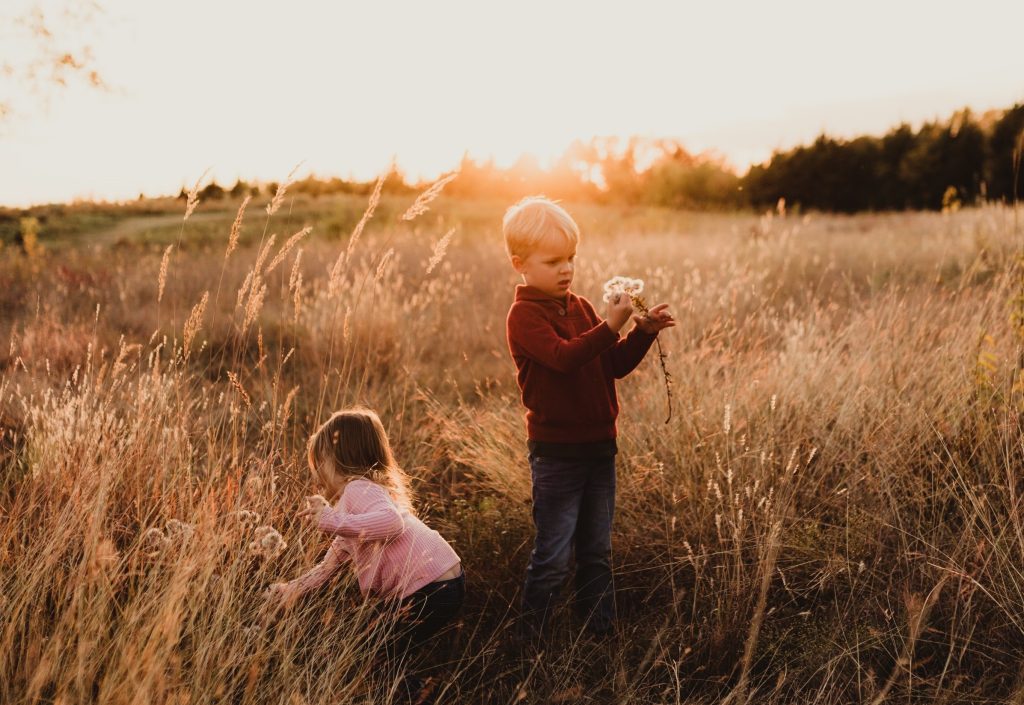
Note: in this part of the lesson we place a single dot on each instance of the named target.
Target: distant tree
(566, 179)
(903, 169)
(680, 180)
(945, 154)
(618, 170)
(895, 145)
(1005, 166)
(241, 188)
(311, 186)
(211, 191)
(395, 181)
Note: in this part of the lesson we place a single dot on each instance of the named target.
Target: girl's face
(332, 482)
(550, 267)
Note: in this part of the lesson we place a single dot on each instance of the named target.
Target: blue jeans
(573, 504)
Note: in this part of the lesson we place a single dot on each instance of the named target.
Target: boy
(567, 359)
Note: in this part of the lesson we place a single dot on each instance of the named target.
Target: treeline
(609, 170)
(960, 161)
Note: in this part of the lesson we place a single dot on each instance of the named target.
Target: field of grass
(832, 514)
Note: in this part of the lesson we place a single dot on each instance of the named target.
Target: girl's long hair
(353, 443)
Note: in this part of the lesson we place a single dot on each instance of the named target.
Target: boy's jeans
(573, 503)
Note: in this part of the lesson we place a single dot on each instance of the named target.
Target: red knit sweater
(568, 360)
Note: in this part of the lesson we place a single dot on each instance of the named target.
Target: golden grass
(833, 514)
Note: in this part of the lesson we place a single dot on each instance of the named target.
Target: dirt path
(133, 226)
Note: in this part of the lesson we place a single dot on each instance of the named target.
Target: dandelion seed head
(178, 530)
(154, 542)
(268, 542)
(616, 286)
(246, 518)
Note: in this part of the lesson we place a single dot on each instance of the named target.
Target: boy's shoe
(594, 625)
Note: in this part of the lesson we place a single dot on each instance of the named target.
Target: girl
(392, 552)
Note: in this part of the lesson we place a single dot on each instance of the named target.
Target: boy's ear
(517, 263)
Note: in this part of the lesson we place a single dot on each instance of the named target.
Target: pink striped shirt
(392, 552)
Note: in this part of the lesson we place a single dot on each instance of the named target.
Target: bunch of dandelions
(246, 518)
(617, 286)
(268, 542)
(624, 286)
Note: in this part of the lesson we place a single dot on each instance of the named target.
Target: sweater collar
(525, 292)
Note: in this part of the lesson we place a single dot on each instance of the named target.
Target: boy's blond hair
(527, 222)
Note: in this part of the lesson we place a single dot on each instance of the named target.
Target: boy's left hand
(657, 318)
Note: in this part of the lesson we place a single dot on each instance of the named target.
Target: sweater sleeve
(628, 352)
(365, 512)
(322, 571)
(530, 333)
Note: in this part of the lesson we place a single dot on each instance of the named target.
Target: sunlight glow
(349, 87)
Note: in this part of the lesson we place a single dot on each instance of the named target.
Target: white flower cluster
(616, 286)
(154, 541)
(246, 519)
(177, 529)
(269, 543)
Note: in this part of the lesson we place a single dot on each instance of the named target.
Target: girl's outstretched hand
(657, 318)
(315, 504)
(278, 597)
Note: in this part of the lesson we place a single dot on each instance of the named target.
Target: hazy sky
(252, 88)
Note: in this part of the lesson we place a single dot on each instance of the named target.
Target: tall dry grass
(833, 514)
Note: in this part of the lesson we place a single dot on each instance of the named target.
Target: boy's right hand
(620, 308)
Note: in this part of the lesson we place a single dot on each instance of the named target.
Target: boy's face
(550, 266)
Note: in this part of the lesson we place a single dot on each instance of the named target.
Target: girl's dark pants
(424, 613)
(428, 610)
(573, 505)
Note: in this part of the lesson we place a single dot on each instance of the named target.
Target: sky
(250, 89)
